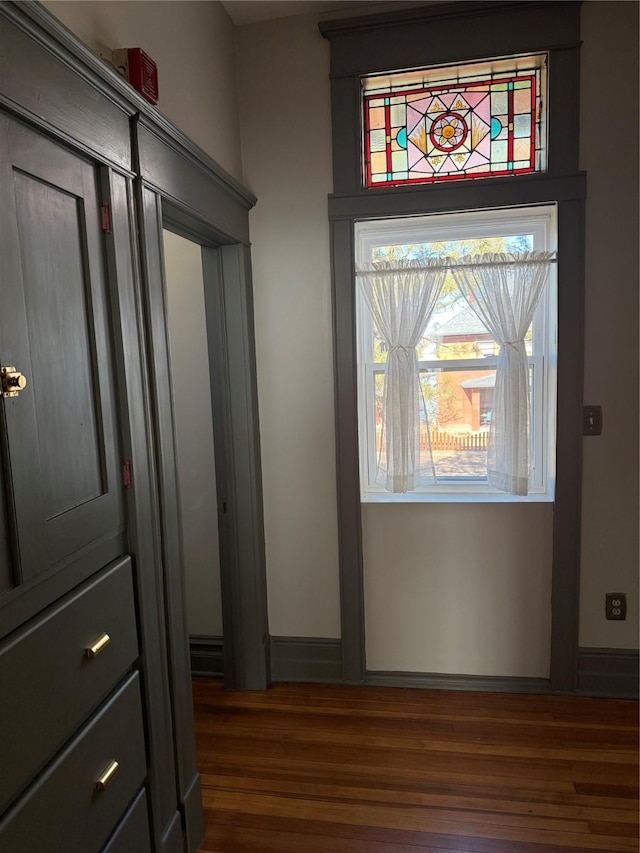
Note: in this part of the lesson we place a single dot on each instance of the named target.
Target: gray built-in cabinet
(72, 732)
(96, 723)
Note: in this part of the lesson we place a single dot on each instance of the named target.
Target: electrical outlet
(615, 605)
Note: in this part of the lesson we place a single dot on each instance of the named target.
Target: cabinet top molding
(37, 22)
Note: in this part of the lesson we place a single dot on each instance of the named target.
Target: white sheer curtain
(401, 296)
(503, 290)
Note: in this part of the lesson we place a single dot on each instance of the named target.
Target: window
(457, 356)
(467, 121)
(448, 35)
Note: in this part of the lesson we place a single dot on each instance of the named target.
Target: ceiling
(250, 11)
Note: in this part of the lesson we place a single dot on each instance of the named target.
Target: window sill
(454, 497)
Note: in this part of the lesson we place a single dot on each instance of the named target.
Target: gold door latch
(13, 382)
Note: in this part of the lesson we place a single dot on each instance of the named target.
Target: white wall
(609, 98)
(194, 433)
(193, 44)
(500, 621)
(285, 128)
(290, 171)
(442, 595)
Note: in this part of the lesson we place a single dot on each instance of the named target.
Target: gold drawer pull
(95, 648)
(103, 781)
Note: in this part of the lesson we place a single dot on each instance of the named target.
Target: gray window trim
(456, 33)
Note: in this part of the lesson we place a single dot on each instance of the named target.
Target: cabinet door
(63, 492)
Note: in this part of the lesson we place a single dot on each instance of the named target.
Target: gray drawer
(48, 686)
(132, 835)
(63, 811)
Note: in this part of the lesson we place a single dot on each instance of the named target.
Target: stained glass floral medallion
(483, 126)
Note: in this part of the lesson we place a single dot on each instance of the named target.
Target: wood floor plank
(408, 840)
(604, 789)
(524, 805)
(402, 816)
(468, 744)
(270, 841)
(423, 780)
(336, 769)
(462, 789)
(375, 714)
(396, 760)
(504, 829)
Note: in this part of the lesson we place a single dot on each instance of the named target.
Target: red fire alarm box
(139, 69)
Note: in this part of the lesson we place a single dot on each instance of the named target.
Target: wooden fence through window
(443, 440)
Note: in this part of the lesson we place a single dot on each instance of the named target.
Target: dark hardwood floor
(332, 769)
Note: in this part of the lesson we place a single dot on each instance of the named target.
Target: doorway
(228, 318)
(194, 444)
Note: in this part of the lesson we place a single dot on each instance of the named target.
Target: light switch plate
(592, 420)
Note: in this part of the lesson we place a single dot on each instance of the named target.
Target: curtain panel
(503, 290)
(401, 295)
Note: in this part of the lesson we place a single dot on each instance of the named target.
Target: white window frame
(541, 222)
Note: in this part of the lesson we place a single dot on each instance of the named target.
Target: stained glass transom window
(483, 121)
